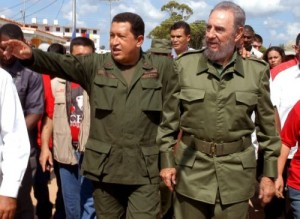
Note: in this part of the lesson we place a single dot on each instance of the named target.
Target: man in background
(257, 42)
(248, 38)
(180, 33)
(70, 127)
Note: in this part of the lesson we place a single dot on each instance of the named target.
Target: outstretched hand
(16, 48)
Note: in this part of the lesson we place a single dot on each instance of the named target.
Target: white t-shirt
(285, 90)
(256, 53)
(14, 141)
(174, 54)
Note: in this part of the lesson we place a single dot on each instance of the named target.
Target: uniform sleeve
(267, 135)
(78, 69)
(14, 142)
(291, 128)
(168, 129)
(34, 103)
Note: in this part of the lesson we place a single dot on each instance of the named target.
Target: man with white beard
(214, 168)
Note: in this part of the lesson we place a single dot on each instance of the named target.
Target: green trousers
(186, 208)
(115, 201)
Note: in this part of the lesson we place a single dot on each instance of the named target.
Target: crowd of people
(173, 132)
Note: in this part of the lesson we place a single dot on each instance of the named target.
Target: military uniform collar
(235, 65)
(110, 64)
(238, 67)
(144, 63)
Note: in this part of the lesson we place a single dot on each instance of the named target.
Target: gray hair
(238, 12)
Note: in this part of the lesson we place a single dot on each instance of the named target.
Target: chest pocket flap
(191, 94)
(151, 84)
(104, 89)
(152, 96)
(247, 98)
(106, 81)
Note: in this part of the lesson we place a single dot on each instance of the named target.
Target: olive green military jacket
(218, 109)
(121, 147)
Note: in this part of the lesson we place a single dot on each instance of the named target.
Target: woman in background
(274, 55)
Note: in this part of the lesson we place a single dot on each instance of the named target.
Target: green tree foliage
(197, 34)
(176, 13)
(182, 11)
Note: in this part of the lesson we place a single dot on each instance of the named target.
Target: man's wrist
(270, 178)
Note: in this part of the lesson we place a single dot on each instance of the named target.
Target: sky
(277, 21)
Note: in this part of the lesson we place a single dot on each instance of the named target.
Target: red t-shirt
(290, 135)
(49, 106)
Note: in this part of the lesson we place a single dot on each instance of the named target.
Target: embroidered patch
(150, 74)
(104, 73)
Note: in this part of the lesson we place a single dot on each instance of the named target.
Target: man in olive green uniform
(127, 90)
(213, 172)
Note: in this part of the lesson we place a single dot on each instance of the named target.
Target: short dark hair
(181, 24)
(274, 48)
(258, 38)
(57, 48)
(249, 28)
(13, 31)
(82, 41)
(298, 39)
(137, 23)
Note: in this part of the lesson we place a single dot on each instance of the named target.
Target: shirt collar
(235, 65)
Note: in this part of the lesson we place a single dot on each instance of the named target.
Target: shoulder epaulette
(189, 52)
(261, 61)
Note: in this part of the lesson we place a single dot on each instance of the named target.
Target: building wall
(66, 31)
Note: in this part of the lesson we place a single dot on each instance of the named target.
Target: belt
(217, 149)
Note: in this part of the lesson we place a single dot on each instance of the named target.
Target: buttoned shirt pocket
(105, 89)
(150, 155)
(192, 106)
(151, 99)
(185, 155)
(95, 155)
(151, 95)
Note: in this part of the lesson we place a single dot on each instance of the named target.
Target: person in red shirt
(290, 135)
(45, 143)
(68, 114)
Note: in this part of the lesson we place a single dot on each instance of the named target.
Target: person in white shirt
(14, 145)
